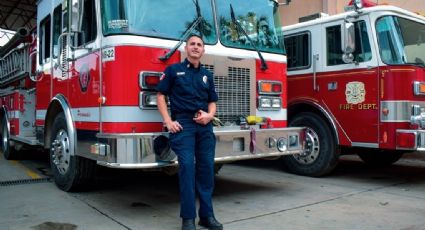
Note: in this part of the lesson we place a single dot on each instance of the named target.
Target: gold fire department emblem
(355, 92)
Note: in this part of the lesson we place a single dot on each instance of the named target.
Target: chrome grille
(233, 93)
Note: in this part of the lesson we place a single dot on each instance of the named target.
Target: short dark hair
(195, 35)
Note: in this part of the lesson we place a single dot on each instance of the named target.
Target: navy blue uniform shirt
(189, 89)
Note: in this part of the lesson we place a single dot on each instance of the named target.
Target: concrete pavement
(249, 195)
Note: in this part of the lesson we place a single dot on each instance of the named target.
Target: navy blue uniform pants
(195, 149)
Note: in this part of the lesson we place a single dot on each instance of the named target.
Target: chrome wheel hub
(60, 151)
(312, 148)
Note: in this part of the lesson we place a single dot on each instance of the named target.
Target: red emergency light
(365, 3)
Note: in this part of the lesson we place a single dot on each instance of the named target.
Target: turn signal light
(277, 88)
(269, 87)
(419, 88)
(406, 140)
(149, 80)
(266, 87)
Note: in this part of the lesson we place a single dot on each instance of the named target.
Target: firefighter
(190, 89)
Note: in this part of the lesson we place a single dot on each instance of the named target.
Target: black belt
(187, 115)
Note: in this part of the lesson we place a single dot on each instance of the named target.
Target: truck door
(76, 60)
(85, 75)
(44, 67)
(60, 72)
(350, 91)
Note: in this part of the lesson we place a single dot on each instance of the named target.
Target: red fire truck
(83, 83)
(357, 82)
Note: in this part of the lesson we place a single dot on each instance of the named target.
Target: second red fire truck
(357, 82)
(82, 85)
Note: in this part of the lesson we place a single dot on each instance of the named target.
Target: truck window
(333, 39)
(44, 39)
(57, 29)
(88, 25)
(260, 21)
(298, 50)
(159, 19)
(401, 41)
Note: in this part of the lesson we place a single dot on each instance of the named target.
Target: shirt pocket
(203, 85)
(183, 85)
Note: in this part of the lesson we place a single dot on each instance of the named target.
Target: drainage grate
(24, 181)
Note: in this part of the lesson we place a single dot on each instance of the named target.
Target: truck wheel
(217, 168)
(379, 157)
(70, 173)
(321, 154)
(8, 151)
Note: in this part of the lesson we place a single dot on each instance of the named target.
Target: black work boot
(188, 224)
(211, 223)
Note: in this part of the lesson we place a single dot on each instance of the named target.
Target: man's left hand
(203, 117)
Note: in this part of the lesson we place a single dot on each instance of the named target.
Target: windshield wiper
(238, 26)
(199, 15)
(421, 64)
(186, 34)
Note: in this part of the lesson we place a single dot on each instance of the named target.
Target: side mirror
(76, 17)
(358, 4)
(75, 10)
(348, 43)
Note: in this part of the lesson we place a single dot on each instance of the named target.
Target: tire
(321, 154)
(217, 168)
(8, 151)
(379, 157)
(71, 173)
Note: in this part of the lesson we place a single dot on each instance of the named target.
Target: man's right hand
(173, 126)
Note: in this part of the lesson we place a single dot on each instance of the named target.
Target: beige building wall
(299, 8)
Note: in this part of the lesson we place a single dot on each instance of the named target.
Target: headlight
(150, 100)
(282, 144)
(269, 103)
(265, 103)
(293, 141)
(147, 100)
(276, 103)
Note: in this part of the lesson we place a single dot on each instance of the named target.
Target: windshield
(259, 18)
(401, 41)
(160, 18)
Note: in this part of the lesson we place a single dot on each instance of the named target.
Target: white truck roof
(368, 10)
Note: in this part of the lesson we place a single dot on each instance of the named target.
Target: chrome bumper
(136, 150)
